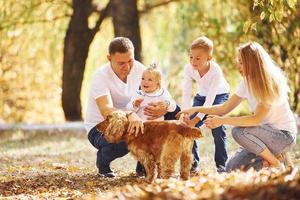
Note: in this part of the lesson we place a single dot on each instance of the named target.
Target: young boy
(212, 89)
(150, 91)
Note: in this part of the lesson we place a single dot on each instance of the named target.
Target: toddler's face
(149, 83)
(199, 58)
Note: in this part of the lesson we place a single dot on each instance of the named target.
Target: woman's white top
(280, 115)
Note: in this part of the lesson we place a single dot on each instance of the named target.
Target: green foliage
(30, 60)
(32, 35)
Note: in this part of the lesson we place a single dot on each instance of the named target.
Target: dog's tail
(190, 132)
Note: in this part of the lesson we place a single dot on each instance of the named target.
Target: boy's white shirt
(159, 95)
(106, 82)
(280, 115)
(210, 85)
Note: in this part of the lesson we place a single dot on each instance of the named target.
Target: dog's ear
(101, 127)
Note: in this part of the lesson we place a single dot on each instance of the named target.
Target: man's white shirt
(106, 82)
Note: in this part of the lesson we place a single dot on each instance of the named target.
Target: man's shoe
(108, 175)
(140, 174)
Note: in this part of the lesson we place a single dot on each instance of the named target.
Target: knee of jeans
(236, 133)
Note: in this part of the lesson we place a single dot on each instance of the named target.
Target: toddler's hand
(137, 103)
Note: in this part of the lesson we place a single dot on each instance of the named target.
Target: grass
(52, 165)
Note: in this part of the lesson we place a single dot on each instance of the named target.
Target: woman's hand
(135, 124)
(156, 110)
(213, 121)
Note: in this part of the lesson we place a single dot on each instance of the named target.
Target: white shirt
(209, 85)
(160, 95)
(280, 115)
(106, 82)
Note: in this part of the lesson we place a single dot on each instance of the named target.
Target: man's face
(121, 63)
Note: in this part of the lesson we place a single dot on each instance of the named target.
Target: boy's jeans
(218, 133)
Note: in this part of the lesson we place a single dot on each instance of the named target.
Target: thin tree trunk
(77, 41)
(125, 17)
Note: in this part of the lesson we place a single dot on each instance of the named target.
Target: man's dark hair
(121, 45)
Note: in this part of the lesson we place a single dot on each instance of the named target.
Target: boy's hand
(185, 112)
(137, 103)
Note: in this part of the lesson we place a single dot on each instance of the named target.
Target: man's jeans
(218, 133)
(107, 152)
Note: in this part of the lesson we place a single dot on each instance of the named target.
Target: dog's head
(114, 126)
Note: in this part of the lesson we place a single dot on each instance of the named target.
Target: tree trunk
(125, 17)
(76, 45)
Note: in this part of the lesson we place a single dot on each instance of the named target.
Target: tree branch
(148, 8)
(103, 13)
(34, 21)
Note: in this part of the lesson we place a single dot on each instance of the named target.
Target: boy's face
(121, 63)
(199, 58)
(149, 83)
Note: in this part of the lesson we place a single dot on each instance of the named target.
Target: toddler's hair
(203, 43)
(153, 70)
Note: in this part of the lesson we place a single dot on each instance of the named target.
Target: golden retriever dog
(158, 148)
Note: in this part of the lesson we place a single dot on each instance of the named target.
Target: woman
(271, 129)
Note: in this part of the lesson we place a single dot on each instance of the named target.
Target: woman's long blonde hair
(266, 81)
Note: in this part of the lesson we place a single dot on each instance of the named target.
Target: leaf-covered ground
(37, 165)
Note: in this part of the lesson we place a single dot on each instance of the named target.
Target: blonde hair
(203, 43)
(265, 80)
(155, 72)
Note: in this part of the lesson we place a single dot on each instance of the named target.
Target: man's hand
(135, 124)
(156, 110)
(213, 121)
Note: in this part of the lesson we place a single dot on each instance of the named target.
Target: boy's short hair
(203, 43)
(121, 45)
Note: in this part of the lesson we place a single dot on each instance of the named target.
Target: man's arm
(105, 106)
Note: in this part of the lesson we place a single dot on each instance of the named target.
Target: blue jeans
(218, 133)
(256, 139)
(107, 152)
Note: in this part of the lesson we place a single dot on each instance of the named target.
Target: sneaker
(195, 170)
(108, 175)
(221, 169)
(140, 174)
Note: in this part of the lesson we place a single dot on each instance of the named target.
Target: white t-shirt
(209, 85)
(160, 95)
(280, 115)
(106, 82)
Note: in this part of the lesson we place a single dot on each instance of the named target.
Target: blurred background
(50, 48)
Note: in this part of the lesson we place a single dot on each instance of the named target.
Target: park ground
(60, 164)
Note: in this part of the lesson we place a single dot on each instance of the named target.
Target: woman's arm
(244, 121)
(221, 109)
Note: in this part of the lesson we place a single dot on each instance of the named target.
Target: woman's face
(239, 64)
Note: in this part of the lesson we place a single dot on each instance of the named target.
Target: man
(112, 86)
